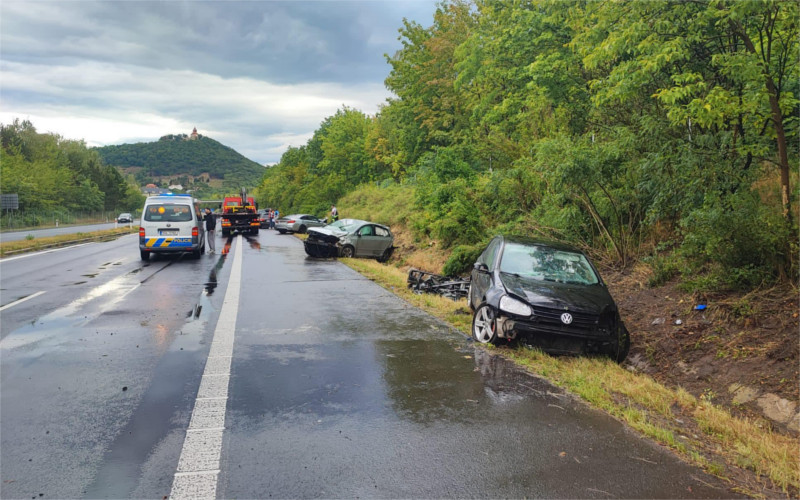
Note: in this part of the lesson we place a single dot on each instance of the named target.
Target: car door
(481, 275)
(367, 242)
(383, 240)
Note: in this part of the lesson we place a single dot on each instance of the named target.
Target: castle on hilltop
(194, 134)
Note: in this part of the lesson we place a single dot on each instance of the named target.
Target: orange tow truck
(239, 213)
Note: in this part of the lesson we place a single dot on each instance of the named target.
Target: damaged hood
(593, 299)
(326, 234)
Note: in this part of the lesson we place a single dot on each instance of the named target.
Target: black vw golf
(547, 294)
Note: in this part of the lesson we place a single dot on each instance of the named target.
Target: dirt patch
(737, 344)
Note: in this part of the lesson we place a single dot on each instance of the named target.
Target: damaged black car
(546, 294)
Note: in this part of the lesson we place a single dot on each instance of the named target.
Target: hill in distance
(194, 156)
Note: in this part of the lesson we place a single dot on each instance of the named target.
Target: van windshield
(168, 212)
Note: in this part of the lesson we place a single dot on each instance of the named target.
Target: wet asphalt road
(337, 389)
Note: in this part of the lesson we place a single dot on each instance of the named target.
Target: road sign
(9, 201)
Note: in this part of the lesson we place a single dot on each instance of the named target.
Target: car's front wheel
(621, 347)
(348, 251)
(484, 326)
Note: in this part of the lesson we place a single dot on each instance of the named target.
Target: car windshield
(343, 225)
(168, 212)
(547, 264)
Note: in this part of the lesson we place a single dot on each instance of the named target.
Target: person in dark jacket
(211, 225)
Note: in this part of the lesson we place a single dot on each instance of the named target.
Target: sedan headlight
(514, 306)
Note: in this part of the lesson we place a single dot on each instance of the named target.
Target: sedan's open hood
(593, 299)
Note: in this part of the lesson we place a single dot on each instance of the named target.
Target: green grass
(31, 244)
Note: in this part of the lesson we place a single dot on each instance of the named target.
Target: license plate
(167, 232)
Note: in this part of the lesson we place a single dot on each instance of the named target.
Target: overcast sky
(258, 76)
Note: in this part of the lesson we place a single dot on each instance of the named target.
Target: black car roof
(527, 240)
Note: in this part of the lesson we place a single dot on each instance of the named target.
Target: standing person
(211, 225)
(271, 219)
(334, 213)
(276, 216)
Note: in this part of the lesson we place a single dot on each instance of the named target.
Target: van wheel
(196, 254)
(144, 255)
(255, 231)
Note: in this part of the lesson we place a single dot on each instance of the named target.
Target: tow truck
(239, 214)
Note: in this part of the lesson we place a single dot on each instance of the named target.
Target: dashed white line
(198, 466)
(23, 299)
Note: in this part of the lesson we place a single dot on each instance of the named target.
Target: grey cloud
(256, 75)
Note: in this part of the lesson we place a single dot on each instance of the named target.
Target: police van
(171, 223)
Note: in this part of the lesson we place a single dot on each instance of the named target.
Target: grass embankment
(697, 430)
(33, 244)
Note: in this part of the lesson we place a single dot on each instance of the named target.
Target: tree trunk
(777, 123)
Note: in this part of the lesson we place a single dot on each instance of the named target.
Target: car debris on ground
(448, 286)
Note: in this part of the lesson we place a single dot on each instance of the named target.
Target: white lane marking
(198, 466)
(23, 299)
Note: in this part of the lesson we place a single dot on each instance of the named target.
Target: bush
(461, 259)
(737, 237)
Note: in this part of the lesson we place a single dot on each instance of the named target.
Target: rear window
(168, 212)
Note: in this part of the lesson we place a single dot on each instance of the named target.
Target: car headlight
(514, 306)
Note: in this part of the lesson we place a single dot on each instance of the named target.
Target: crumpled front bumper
(322, 246)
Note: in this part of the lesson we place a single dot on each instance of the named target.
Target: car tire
(225, 233)
(196, 254)
(282, 231)
(302, 229)
(387, 254)
(348, 251)
(145, 256)
(484, 326)
(255, 231)
(619, 351)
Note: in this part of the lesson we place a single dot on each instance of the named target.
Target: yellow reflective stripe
(167, 241)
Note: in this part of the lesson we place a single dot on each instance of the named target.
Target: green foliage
(173, 155)
(49, 172)
(609, 125)
(462, 259)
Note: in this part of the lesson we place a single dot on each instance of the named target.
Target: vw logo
(169, 225)
(566, 318)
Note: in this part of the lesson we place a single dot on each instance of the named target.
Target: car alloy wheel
(348, 251)
(484, 325)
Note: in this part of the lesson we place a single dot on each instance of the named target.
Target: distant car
(125, 218)
(350, 238)
(298, 223)
(549, 293)
(263, 219)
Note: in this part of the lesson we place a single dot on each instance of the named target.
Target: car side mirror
(481, 267)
